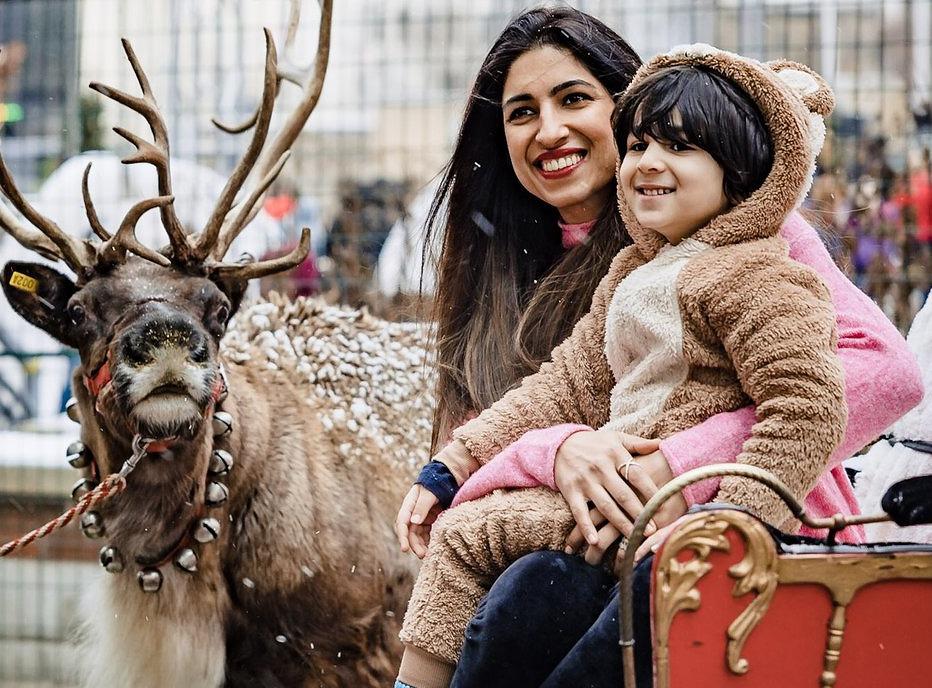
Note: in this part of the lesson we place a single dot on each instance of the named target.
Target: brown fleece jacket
(675, 335)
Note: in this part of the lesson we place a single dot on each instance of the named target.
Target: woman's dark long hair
(507, 293)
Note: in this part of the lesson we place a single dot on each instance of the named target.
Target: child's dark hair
(716, 115)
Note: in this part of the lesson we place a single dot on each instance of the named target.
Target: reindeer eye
(76, 314)
(222, 314)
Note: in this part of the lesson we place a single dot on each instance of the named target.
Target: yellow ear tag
(24, 282)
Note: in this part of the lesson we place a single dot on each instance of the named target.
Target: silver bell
(78, 455)
(111, 559)
(207, 530)
(222, 424)
(150, 580)
(186, 560)
(81, 488)
(72, 410)
(216, 494)
(221, 461)
(92, 524)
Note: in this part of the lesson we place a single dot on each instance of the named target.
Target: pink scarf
(574, 235)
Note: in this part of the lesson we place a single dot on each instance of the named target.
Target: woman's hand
(586, 469)
(658, 472)
(421, 508)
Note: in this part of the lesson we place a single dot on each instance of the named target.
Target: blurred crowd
(878, 225)
(343, 266)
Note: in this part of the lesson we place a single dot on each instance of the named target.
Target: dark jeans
(551, 620)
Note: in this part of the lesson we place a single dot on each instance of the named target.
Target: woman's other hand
(421, 508)
(657, 471)
(650, 544)
(586, 470)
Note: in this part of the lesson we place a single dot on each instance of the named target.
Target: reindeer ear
(40, 294)
(234, 289)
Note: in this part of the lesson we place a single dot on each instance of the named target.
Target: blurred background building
(361, 178)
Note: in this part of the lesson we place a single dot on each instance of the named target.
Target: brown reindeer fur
(306, 586)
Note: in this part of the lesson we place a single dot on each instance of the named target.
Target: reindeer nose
(152, 336)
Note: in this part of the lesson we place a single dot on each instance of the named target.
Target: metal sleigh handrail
(626, 615)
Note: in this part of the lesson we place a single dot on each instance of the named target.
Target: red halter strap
(100, 379)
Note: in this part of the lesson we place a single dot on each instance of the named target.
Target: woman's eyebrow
(523, 97)
(569, 84)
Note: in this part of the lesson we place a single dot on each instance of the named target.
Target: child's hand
(419, 510)
(651, 543)
(608, 535)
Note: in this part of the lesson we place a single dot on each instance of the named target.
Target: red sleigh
(734, 606)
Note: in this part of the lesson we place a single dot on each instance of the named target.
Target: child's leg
(469, 547)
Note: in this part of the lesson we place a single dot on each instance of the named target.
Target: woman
(507, 294)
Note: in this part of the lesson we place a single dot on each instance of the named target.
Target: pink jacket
(882, 382)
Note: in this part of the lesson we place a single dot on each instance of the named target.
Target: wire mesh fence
(360, 179)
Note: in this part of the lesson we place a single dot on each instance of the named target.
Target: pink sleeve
(526, 462)
(882, 380)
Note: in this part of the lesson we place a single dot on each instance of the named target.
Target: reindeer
(252, 545)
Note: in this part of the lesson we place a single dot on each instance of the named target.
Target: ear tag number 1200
(24, 282)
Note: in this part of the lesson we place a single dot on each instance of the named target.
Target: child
(704, 313)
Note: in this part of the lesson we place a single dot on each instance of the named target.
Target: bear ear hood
(794, 100)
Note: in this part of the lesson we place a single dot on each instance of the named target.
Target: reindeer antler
(155, 153)
(53, 242)
(113, 251)
(295, 75)
(205, 252)
(214, 242)
(79, 254)
(89, 208)
(205, 242)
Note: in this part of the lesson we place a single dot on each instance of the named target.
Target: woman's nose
(552, 130)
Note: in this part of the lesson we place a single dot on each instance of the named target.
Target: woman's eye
(680, 147)
(575, 98)
(520, 113)
(637, 147)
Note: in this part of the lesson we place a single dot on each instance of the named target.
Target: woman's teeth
(560, 163)
(655, 192)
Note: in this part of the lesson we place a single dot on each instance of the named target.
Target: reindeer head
(147, 322)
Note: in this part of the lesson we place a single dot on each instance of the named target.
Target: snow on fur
(366, 377)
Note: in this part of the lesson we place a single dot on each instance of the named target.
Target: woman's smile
(560, 163)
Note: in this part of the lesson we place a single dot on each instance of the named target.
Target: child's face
(672, 188)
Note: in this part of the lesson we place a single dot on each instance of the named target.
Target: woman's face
(559, 134)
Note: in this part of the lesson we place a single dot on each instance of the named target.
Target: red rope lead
(112, 485)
